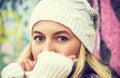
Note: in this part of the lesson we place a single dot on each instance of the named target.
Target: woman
(61, 43)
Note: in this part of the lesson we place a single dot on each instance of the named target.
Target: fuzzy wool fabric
(52, 65)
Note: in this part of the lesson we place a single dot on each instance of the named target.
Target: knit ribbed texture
(13, 70)
(52, 65)
(28, 74)
(77, 15)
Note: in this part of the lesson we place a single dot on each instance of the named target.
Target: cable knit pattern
(74, 14)
(50, 65)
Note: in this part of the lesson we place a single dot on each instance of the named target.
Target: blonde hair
(101, 70)
(27, 53)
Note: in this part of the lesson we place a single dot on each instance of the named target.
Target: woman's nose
(49, 46)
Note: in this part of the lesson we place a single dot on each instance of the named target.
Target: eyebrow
(62, 32)
(37, 32)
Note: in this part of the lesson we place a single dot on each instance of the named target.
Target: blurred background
(14, 30)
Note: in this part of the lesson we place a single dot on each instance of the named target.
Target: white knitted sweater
(49, 65)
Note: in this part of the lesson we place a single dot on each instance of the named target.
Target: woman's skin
(54, 37)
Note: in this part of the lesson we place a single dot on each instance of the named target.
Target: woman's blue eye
(39, 38)
(62, 38)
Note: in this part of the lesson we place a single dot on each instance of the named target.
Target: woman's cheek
(66, 51)
(35, 52)
(70, 50)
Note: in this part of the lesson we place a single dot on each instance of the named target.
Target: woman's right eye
(39, 38)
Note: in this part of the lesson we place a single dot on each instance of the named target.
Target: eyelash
(63, 38)
(39, 38)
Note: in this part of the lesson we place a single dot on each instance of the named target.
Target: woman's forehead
(50, 25)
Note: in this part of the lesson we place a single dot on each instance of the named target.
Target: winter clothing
(49, 65)
(80, 18)
(77, 15)
(52, 65)
(14, 70)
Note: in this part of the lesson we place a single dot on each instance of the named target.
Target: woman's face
(53, 37)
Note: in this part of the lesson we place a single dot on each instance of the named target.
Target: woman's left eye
(62, 39)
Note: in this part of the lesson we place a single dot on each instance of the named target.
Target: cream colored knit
(52, 65)
(13, 70)
(74, 14)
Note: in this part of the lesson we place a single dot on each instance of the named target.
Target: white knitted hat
(77, 15)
